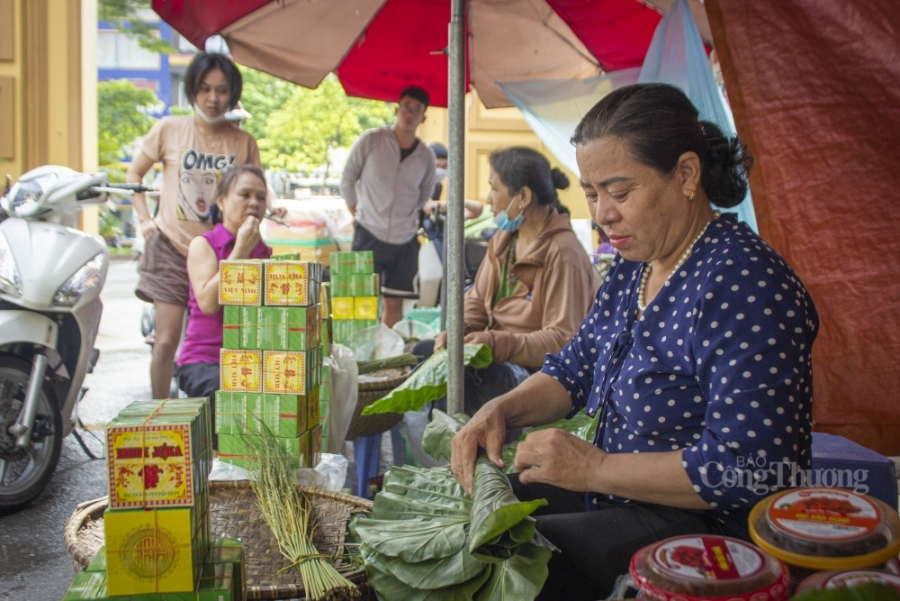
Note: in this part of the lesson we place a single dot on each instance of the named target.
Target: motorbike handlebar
(131, 187)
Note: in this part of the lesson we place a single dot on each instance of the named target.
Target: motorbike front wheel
(24, 472)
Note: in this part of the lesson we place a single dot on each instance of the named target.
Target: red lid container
(848, 579)
(709, 568)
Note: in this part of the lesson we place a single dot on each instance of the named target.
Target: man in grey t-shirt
(388, 178)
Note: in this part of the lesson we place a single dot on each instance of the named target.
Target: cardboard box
(222, 579)
(240, 449)
(342, 329)
(248, 413)
(159, 455)
(240, 282)
(249, 329)
(343, 307)
(289, 283)
(289, 372)
(354, 261)
(155, 551)
(231, 327)
(342, 284)
(365, 284)
(365, 307)
(294, 328)
(87, 585)
(240, 370)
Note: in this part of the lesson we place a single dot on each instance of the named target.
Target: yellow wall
(487, 129)
(51, 68)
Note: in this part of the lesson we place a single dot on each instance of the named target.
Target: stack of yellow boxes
(271, 360)
(156, 526)
(354, 293)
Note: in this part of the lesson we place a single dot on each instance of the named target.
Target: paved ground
(34, 563)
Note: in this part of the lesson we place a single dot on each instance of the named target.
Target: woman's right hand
(247, 238)
(148, 229)
(486, 430)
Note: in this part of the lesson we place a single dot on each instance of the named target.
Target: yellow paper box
(286, 372)
(366, 307)
(240, 282)
(240, 371)
(288, 283)
(158, 551)
(343, 307)
(150, 466)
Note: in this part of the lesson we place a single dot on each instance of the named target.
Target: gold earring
(692, 195)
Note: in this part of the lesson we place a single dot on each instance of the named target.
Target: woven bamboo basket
(233, 514)
(372, 387)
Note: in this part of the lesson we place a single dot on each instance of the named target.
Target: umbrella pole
(453, 235)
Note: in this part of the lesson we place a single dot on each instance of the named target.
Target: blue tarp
(677, 56)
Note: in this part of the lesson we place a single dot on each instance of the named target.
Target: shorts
(198, 380)
(398, 264)
(163, 273)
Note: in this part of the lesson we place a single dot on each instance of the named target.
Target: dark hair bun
(560, 179)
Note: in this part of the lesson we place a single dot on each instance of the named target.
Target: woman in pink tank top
(241, 199)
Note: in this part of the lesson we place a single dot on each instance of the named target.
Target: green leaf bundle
(427, 540)
(428, 382)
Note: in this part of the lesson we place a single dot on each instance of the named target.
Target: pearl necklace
(645, 272)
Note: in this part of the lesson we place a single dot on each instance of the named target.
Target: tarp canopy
(814, 89)
(676, 56)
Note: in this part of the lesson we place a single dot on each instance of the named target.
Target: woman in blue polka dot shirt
(696, 355)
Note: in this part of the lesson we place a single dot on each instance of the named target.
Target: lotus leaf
(428, 382)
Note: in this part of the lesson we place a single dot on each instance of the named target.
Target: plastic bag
(377, 342)
(344, 394)
(330, 474)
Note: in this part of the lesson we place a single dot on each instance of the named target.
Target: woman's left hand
(480, 337)
(556, 457)
(279, 212)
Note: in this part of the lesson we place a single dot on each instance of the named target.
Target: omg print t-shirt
(193, 164)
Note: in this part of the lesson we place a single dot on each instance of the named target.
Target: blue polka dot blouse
(717, 366)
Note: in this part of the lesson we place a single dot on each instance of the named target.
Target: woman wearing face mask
(193, 148)
(536, 282)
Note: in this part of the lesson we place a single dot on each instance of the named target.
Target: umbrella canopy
(378, 47)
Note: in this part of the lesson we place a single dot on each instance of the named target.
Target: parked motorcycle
(51, 275)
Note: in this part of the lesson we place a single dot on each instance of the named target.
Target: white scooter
(51, 275)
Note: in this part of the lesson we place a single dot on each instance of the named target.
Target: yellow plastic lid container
(826, 529)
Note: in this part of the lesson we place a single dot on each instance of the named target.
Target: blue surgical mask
(509, 225)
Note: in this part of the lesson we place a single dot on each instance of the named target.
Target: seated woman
(535, 284)
(696, 355)
(241, 201)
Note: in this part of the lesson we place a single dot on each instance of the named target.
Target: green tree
(263, 94)
(126, 16)
(122, 116)
(312, 123)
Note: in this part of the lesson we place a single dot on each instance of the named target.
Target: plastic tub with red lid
(847, 579)
(711, 568)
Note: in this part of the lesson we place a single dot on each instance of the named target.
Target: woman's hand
(440, 341)
(148, 229)
(482, 337)
(247, 238)
(486, 430)
(558, 458)
(279, 212)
